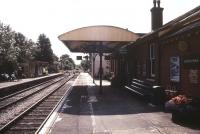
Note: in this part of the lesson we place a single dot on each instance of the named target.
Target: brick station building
(169, 56)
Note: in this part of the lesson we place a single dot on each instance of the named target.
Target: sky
(55, 17)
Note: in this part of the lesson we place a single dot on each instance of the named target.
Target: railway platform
(21, 81)
(116, 111)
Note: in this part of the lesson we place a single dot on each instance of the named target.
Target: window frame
(152, 58)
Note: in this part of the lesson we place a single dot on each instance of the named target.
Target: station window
(152, 60)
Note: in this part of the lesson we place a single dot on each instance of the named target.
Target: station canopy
(93, 39)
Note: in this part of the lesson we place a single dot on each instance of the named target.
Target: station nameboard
(191, 62)
(123, 51)
(78, 57)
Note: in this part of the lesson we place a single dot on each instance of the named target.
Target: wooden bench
(145, 89)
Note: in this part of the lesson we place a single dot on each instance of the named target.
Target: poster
(193, 76)
(175, 69)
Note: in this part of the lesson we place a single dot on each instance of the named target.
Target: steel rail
(61, 99)
(13, 121)
(25, 97)
(26, 89)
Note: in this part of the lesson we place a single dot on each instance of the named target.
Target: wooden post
(100, 69)
(93, 67)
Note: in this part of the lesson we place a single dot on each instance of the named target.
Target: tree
(8, 56)
(53, 68)
(85, 64)
(44, 51)
(32, 49)
(15, 48)
(23, 48)
(67, 63)
(55, 58)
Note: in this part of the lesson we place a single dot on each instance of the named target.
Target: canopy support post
(100, 70)
(93, 67)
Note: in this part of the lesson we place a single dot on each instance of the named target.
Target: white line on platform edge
(90, 105)
(55, 116)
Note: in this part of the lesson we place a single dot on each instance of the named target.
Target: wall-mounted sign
(78, 57)
(175, 69)
(193, 76)
(123, 51)
(191, 62)
(182, 46)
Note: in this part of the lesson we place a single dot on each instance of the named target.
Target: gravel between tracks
(12, 112)
(27, 92)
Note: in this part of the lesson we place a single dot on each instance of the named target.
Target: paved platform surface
(116, 111)
(20, 81)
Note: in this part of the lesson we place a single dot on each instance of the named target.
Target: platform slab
(116, 111)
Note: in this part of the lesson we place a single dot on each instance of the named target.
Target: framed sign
(191, 62)
(175, 69)
(193, 76)
(123, 51)
(78, 57)
(182, 46)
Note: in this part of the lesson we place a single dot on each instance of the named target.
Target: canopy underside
(94, 38)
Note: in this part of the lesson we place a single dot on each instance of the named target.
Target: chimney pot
(158, 2)
(154, 3)
(156, 15)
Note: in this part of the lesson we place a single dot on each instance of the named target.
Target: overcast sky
(54, 17)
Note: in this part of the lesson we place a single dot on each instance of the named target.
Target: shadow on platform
(86, 101)
(113, 101)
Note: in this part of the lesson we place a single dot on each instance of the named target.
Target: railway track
(26, 89)
(31, 119)
(21, 95)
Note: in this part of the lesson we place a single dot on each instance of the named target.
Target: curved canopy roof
(89, 39)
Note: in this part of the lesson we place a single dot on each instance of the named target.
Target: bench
(152, 93)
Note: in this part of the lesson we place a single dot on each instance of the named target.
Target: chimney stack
(156, 15)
